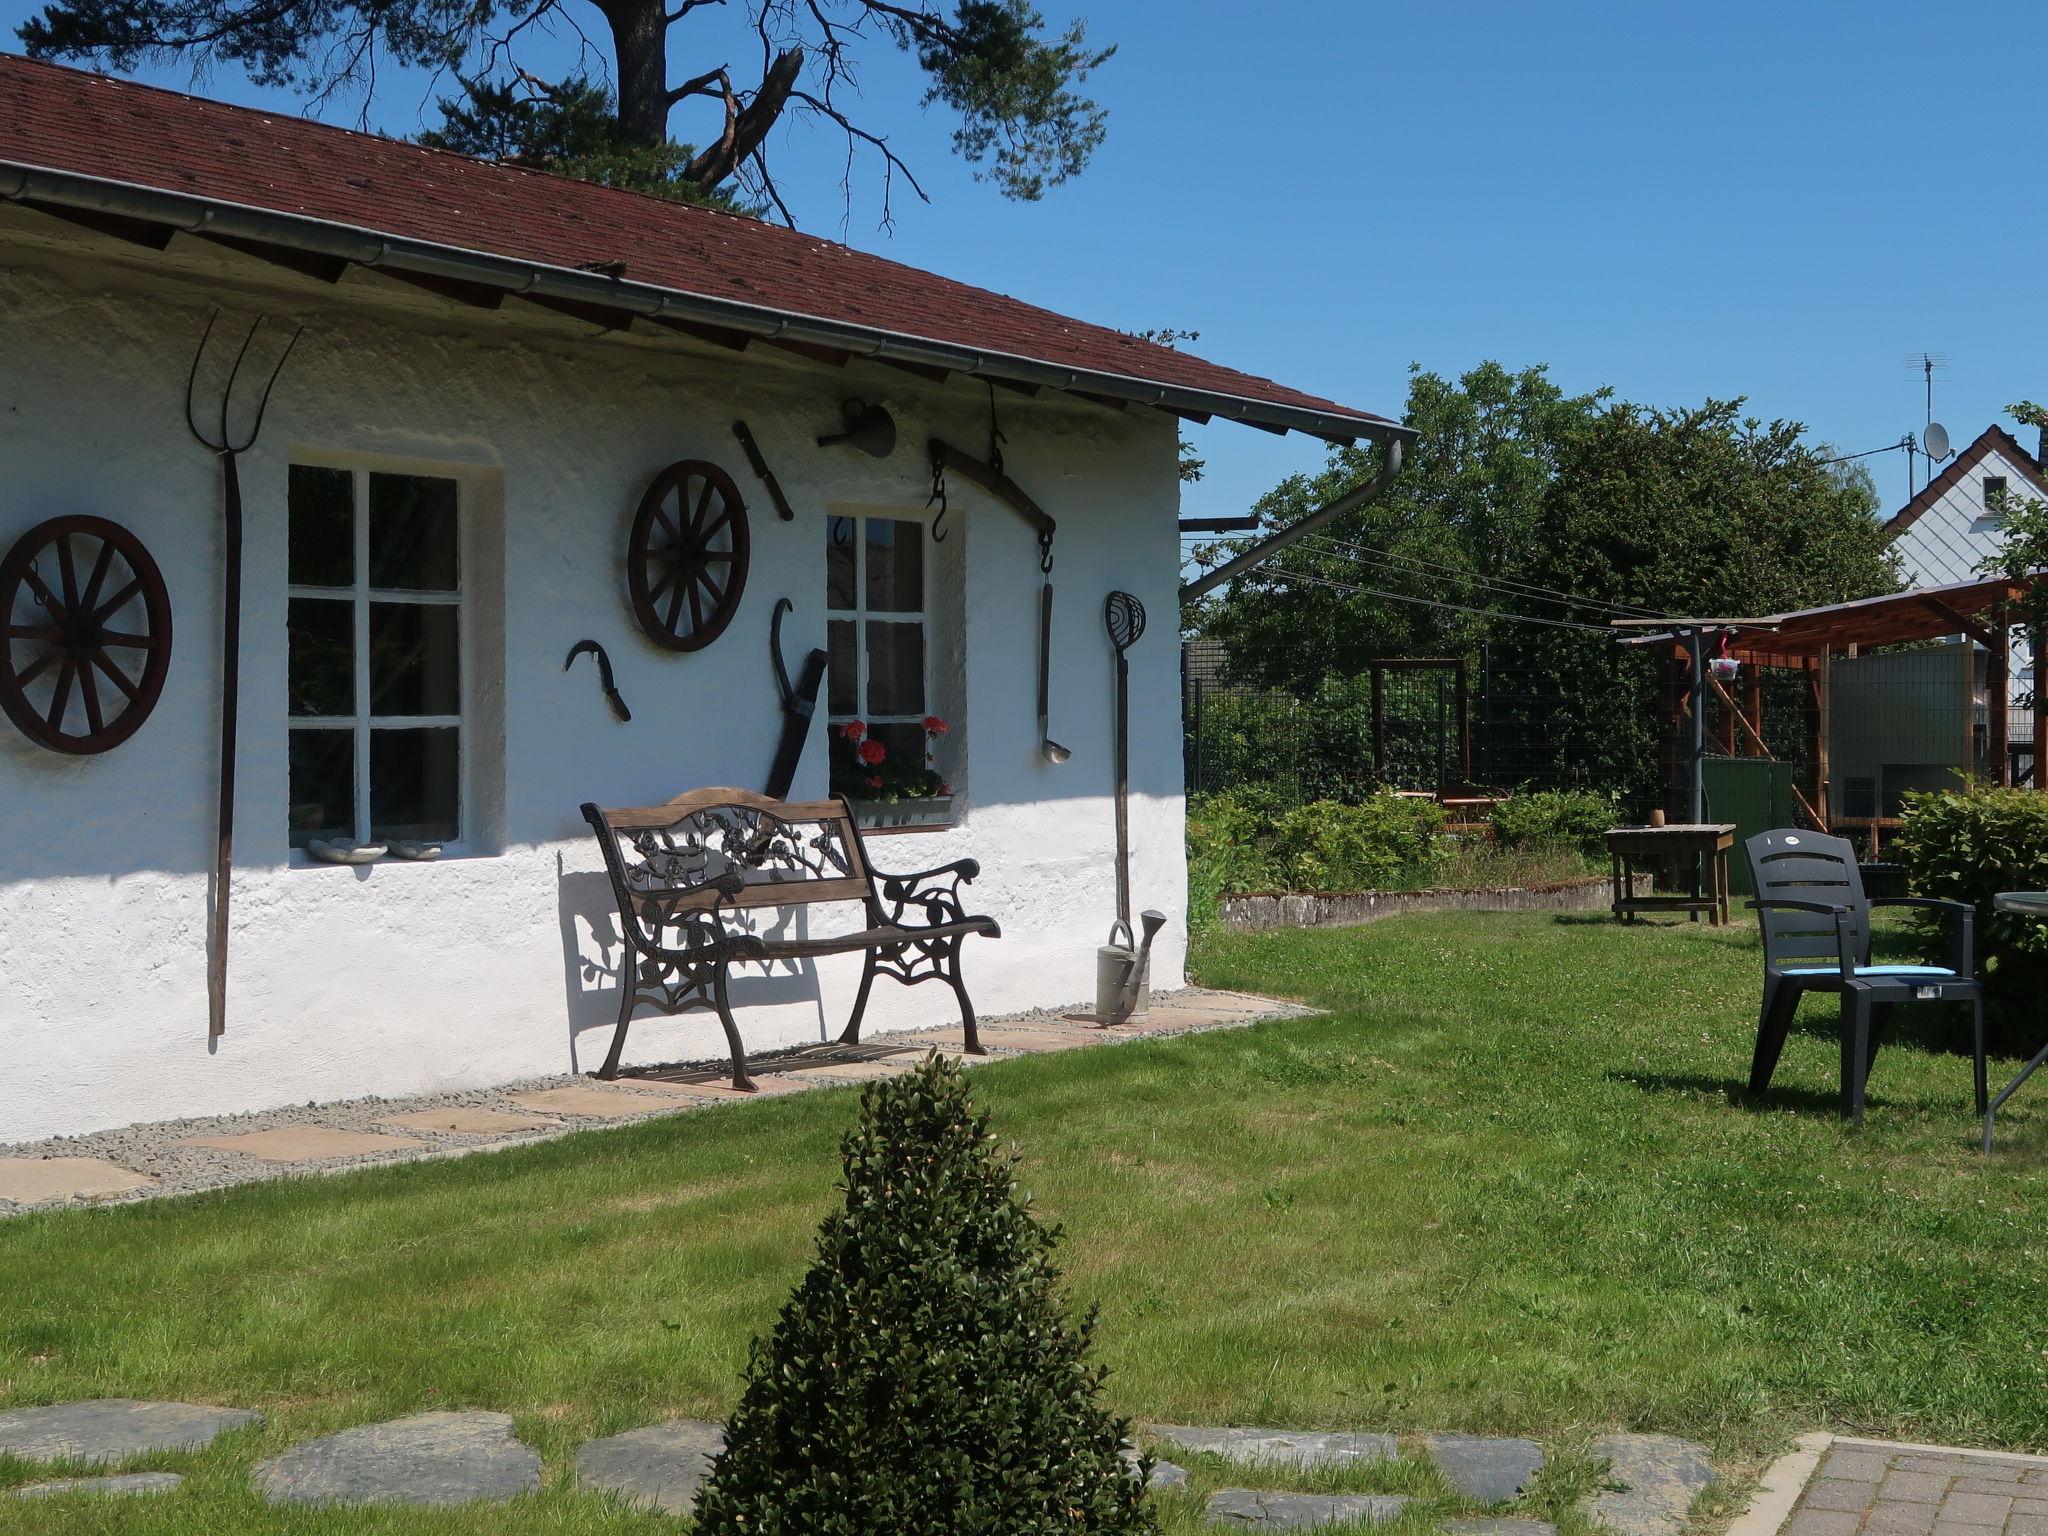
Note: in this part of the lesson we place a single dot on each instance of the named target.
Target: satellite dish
(1937, 441)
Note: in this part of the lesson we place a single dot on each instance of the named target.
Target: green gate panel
(1756, 794)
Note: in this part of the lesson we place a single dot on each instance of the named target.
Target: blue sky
(1778, 201)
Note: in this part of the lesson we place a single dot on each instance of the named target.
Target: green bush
(1566, 818)
(1968, 846)
(1250, 840)
(924, 1376)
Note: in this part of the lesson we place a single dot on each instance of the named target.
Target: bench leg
(723, 1000)
(1774, 1022)
(970, 1041)
(629, 990)
(1856, 1032)
(851, 1034)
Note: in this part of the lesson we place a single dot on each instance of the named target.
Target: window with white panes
(374, 664)
(877, 627)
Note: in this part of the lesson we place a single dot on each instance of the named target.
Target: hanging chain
(938, 495)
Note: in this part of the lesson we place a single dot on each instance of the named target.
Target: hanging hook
(939, 495)
(841, 535)
(1045, 553)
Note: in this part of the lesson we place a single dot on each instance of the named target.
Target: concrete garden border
(1318, 909)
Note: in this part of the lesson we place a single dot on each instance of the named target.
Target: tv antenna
(1934, 436)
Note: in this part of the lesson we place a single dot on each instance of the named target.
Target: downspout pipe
(520, 276)
(1270, 546)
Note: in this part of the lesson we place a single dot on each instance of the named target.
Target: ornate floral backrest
(730, 848)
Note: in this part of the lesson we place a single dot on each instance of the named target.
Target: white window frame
(361, 596)
(860, 614)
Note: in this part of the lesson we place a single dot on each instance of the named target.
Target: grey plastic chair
(1816, 927)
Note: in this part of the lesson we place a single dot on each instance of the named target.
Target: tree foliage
(924, 1376)
(1533, 518)
(1012, 87)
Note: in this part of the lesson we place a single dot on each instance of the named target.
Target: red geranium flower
(872, 753)
(874, 781)
(853, 730)
(934, 726)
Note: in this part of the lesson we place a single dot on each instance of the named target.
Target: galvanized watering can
(1123, 972)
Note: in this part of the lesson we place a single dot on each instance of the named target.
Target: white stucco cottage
(492, 368)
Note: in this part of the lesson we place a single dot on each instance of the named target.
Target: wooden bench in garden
(689, 875)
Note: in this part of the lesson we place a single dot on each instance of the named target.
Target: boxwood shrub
(1252, 842)
(1564, 818)
(1968, 846)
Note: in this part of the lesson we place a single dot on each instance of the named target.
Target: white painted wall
(481, 969)
(1950, 539)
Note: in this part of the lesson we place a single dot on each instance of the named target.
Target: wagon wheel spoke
(98, 578)
(661, 516)
(675, 609)
(696, 608)
(654, 592)
(712, 589)
(37, 668)
(89, 692)
(703, 506)
(62, 696)
(105, 663)
(34, 632)
(41, 589)
(117, 602)
(67, 571)
(718, 522)
(125, 638)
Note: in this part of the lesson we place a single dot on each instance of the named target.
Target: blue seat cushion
(1870, 970)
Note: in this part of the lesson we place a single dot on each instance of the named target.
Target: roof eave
(194, 214)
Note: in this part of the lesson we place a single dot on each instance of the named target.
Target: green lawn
(1510, 1184)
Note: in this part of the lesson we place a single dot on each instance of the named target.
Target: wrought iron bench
(686, 874)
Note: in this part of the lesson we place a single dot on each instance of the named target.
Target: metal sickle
(782, 605)
(604, 675)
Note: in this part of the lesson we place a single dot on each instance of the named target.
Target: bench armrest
(933, 893)
(1776, 902)
(966, 869)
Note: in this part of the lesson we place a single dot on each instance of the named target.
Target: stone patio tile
(430, 1458)
(1164, 1473)
(1840, 1495)
(2028, 1506)
(2028, 1524)
(1486, 1470)
(32, 1180)
(1247, 1509)
(1828, 1522)
(1503, 1527)
(124, 1486)
(1660, 1474)
(599, 1103)
(469, 1122)
(1914, 1487)
(1855, 1466)
(1935, 1466)
(1279, 1447)
(1890, 1519)
(852, 1071)
(2035, 1475)
(718, 1085)
(659, 1467)
(1958, 1528)
(303, 1143)
(114, 1428)
(1974, 1509)
(1035, 1039)
(1991, 1477)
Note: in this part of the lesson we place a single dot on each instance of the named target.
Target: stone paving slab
(1034, 1038)
(37, 1180)
(1279, 1447)
(659, 1467)
(1661, 1476)
(178, 1157)
(1164, 1473)
(599, 1103)
(430, 1458)
(1487, 1470)
(305, 1143)
(114, 1428)
(463, 1121)
(1871, 1488)
(1251, 1509)
(126, 1485)
(1504, 1527)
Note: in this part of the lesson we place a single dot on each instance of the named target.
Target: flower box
(922, 811)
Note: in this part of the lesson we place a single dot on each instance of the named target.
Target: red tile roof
(69, 121)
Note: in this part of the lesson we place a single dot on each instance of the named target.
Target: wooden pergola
(1804, 642)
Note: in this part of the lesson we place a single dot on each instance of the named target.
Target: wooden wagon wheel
(687, 562)
(88, 634)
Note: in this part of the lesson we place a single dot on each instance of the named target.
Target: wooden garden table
(1705, 843)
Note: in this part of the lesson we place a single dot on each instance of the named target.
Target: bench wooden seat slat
(682, 871)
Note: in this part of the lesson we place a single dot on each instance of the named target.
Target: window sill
(920, 829)
(451, 853)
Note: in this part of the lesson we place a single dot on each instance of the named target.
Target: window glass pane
(412, 533)
(842, 695)
(839, 585)
(905, 742)
(895, 554)
(321, 519)
(320, 665)
(414, 779)
(895, 669)
(323, 785)
(415, 651)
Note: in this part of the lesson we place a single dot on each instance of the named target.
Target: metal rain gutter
(518, 276)
(1266, 548)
